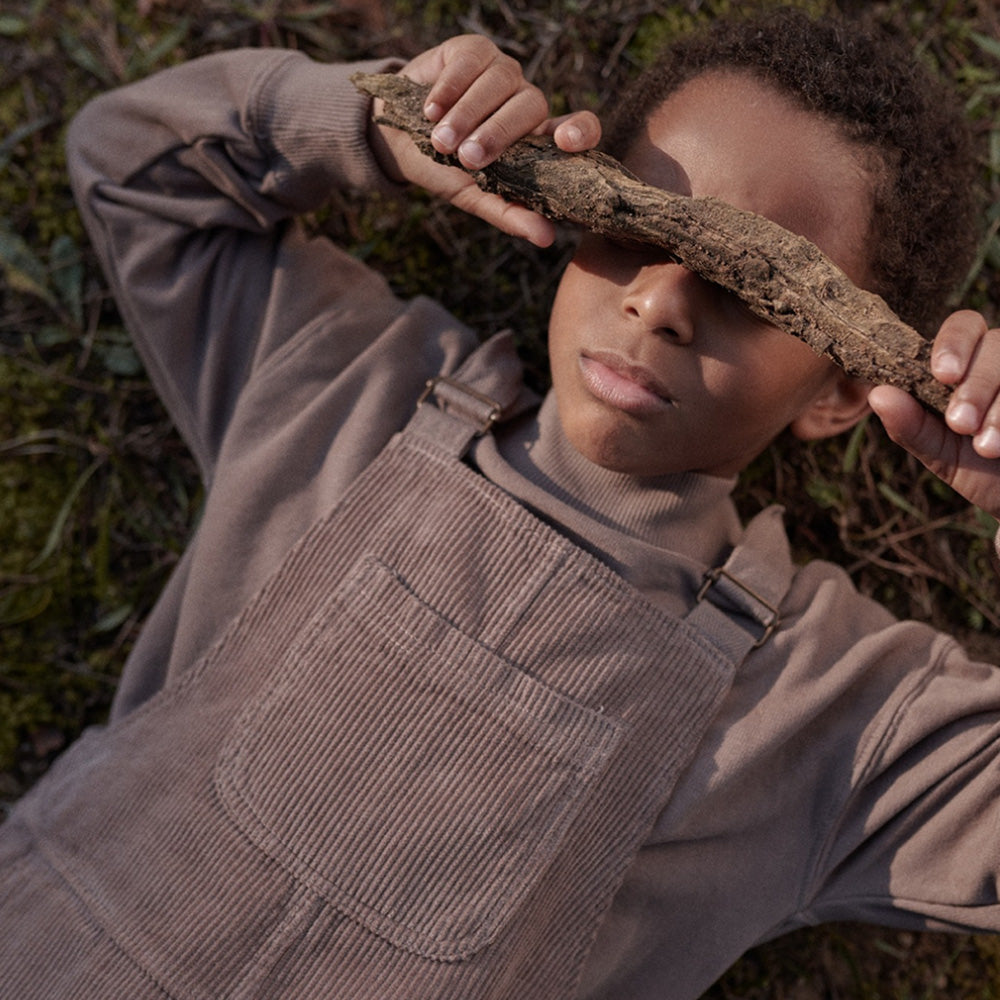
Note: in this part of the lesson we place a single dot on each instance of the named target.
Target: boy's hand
(964, 448)
(480, 104)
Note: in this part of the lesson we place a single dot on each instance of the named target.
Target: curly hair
(868, 83)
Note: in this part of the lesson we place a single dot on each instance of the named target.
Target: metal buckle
(712, 577)
(493, 408)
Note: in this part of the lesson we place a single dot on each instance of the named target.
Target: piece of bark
(783, 278)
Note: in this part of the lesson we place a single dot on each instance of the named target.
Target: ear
(837, 407)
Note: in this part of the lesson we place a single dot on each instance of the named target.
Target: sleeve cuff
(315, 121)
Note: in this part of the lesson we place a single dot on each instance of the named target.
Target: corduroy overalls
(417, 765)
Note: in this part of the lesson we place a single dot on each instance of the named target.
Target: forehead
(732, 136)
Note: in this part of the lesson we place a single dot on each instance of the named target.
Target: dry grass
(97, 495)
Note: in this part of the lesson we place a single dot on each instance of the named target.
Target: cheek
(573, 302)
(768, 383)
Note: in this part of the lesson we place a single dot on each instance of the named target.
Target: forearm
(267, 130)
(187, 181)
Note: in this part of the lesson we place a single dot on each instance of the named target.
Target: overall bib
(416, 765)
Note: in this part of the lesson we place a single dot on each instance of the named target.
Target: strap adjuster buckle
(483, 411)
(770, 621)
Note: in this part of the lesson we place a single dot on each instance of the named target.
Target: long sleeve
(851, 774)
(188, 182)
(285, 362)
(918, 841)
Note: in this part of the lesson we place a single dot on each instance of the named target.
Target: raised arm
(188, 182)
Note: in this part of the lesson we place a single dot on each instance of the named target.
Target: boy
(472, 696)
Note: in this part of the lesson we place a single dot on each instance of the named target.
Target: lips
(621, 383)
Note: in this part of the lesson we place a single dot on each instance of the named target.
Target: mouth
(623, 384)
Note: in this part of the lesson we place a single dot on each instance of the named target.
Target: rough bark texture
(783, 278)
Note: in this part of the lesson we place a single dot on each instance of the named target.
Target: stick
(783, 278)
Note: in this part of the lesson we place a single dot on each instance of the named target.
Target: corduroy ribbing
(524, 714)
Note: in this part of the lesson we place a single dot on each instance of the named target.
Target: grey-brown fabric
(424, 723)
(849, 771)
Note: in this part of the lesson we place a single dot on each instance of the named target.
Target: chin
(613, 442)
(605, 451)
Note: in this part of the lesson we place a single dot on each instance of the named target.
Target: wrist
(382, 148)
(317, 125)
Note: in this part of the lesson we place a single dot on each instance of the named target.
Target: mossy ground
(97, 494)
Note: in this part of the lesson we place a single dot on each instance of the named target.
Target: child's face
(656, 370)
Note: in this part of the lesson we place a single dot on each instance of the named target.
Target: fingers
(574, 133)
(966, 354)
(963, 449)
(951, 457)
(509, 218)
(907, 422)
(480, 101)
(480, 104)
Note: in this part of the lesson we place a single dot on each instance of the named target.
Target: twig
(783, 278)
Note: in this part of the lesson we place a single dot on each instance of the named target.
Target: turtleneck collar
(661, 533)
(648, 508)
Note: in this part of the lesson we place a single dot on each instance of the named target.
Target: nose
(661, 297)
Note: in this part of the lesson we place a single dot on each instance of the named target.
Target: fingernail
(472, 153)
(962, 417)
(433, 111)
(572, 136)
(446, 137)
(947, 365)
(988, 443)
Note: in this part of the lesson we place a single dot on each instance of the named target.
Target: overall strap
(737, 606)
(488, 386)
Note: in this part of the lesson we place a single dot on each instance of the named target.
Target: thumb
(916, 429)
(904, 419)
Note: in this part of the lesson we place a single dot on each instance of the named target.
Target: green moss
(656, 31)
(94, 522)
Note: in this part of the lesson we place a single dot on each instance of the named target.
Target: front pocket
(409, 775)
